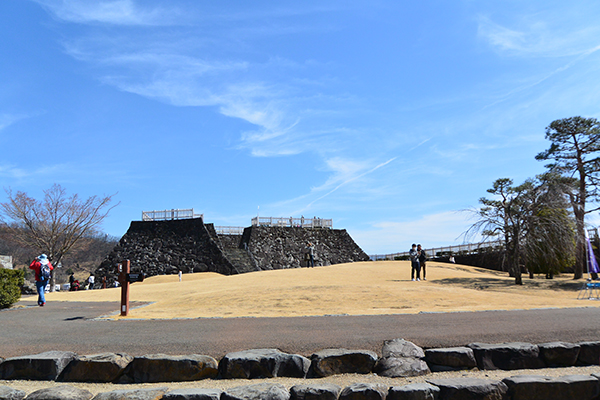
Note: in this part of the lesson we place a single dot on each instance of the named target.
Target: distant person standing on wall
(414, 263)
(422, 260)
(42, 267)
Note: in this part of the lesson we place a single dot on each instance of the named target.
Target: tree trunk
(580, 260)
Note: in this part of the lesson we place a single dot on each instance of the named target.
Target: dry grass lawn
(363, 288)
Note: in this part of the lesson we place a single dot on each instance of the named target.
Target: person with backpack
(414, 263)
(43, 271)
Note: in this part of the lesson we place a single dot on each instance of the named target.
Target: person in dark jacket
(422, 260)
(414, 263)
(40, 282)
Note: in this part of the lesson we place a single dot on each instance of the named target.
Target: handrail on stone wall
(293, 222)
(164, 215)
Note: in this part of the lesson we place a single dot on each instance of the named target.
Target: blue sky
(387, 116)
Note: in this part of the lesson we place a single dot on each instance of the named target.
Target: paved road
(72, 326)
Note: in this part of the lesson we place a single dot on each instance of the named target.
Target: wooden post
(124, 269)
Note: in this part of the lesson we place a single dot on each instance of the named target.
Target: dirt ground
(363, 288)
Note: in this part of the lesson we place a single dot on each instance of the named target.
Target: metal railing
(467, 248)
(293, 222)
(172, 214)
(229, 230)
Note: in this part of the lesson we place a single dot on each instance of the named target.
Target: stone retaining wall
(400, 358)
(285, 247)
(190, 245)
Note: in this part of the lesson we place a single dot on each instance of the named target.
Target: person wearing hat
(414, 263)
(40, 282)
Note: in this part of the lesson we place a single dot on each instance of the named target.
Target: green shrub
(11, 281)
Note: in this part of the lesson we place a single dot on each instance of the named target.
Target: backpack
(45, 272)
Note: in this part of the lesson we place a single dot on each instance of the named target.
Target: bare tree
(532, 220)
(55, 224)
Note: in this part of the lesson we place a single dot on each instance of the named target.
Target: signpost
(125, 278)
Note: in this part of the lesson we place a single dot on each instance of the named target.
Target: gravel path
(73, 326)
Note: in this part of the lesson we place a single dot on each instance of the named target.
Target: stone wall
(165, 247)
(285, 247)
(189, 245)
(399, 359)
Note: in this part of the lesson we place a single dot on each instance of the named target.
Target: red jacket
(36, 265)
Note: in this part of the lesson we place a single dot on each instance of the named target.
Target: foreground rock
(193, 394)
(531, 387)
(414, 391)
(260, 391)
(364, 391)
(44, 366)
(589, 353)
(342, 361)
(8, 393)
(263, 363)
(325, 391)
(61, 392)
(470, 389)
(450, 359)
(165, 368)
(105, 367)
(559, 354)
(401, 348)
(507, 356)
(396, 367)
(134, 394)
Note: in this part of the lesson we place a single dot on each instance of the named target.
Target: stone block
(507, 356)
(8, 393)
(260, 391)
(364, 391)
(165, 368)
(531, 387)
(470, 389)
(414, 391)
(133, 394)
(324, 391)
(559, 354)
(105, 367)
(342, 361)
(589, 353)
(193, 394)
(263, 363)
(397, 367)
(44, 366)
(401, 348)
(64, 392)
(453, 358)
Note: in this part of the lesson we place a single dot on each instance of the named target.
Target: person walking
(422, 260)
(42, 267)
(179, 273)
(91, 281)
(414, 263)
(71, 281)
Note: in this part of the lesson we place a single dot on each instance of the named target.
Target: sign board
(136, 277)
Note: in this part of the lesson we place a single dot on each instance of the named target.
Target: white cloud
(116, 12)
(8, 119)
(433, 230)
(534, 36)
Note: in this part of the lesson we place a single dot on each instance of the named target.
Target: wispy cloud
(535, 36)
(397, 236)
(8, 119)
(114, 12)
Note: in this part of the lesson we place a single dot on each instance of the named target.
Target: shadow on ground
(506, 284)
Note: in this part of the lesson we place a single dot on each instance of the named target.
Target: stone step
(240, 259)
